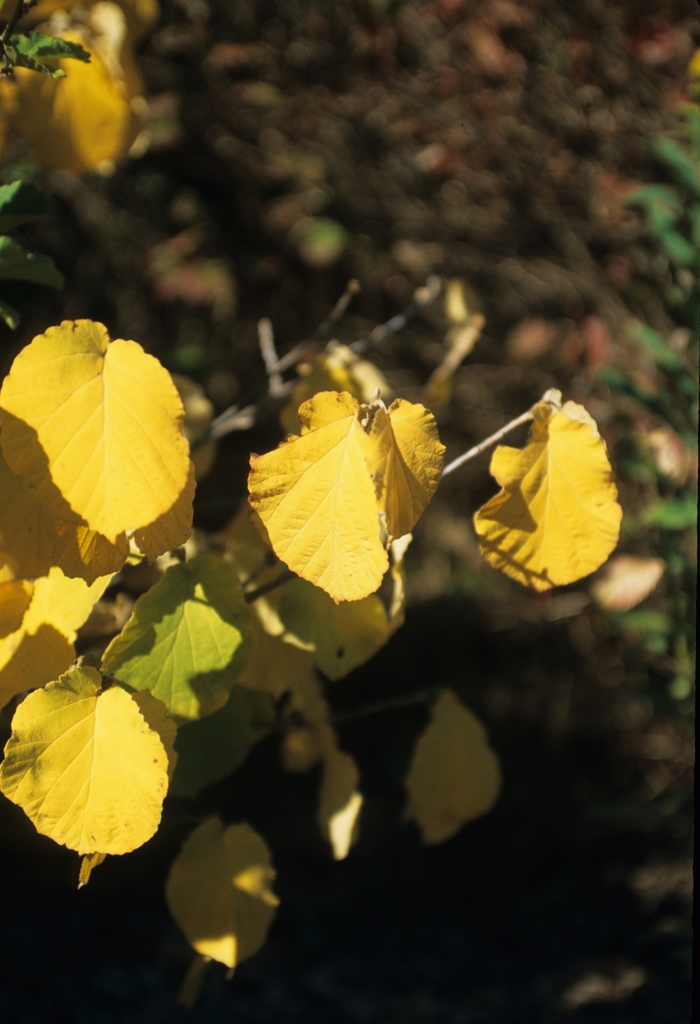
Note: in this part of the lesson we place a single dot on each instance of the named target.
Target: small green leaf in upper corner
(9, 315)
(19, 265)
(20, 203)
(41, 47)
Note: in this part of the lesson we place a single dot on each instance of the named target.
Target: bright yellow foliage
(87, 119)
(41, 648)
(80, 551)
(557, 518)
(316, 495)
(454, 775)
(219, 891)
(85, 767)
(93, 429)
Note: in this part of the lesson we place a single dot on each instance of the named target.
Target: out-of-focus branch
(421, 297)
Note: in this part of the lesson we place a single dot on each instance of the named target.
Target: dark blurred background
(288, 147)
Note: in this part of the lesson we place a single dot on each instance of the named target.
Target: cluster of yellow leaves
(556, 518)
(90, 118)
(331, 500)
(91, 435)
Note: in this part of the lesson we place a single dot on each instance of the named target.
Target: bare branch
(266, 340)
(421, 297)
(284, 577)
(301, 351)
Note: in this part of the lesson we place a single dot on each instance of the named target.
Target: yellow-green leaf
(315, 498)
(27, 528)
(42, 647)
(557, 518)
(85, 767)
(219, 891)
(213, 747)
(454, 775)
(93, 429)
(343, 635)
(186, 640)
(405, 459)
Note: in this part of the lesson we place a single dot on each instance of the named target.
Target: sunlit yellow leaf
(557, 518)
(84, 765)
(315, 498)
(173, 528)
(80, 551)
(219, 891)
(93, 429)
(87, 119)
(405, 462)
(155, 716)
(42, 647)
(454, 775)
(337, 370)
(27, 528)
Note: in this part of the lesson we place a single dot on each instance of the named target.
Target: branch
(403, 701)
(301, 351)
(273, 584)
(266, 340)
(486, 443)
(421, 297)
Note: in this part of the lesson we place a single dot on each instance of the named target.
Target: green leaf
(680, 160)
(43, 47)
(673, 514)
(30, 51)
(187, 639)
(19, 265)
(213, 747)
(9, 314)
(659, 349)
(678, 249)
(20, 203)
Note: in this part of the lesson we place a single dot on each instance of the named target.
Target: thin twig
(273, 584)
(377, 706)
(422, 296)
(245, 417)
(300, 351)
(486, 443)
(266, 340)
(266, 562)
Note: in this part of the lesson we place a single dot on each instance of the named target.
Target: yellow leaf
(89, 862)
(85, 120)
(343, 635)
(27, 529)
(93, 429)
(219, 891)
(557, 518)
(173, 528)
(80, 551)
(156, 718)
(405, 461)
(339, 801)
(85, 767)
(273, 665)
(454, 775)
(315, 498)
(301, 749)
(42, 647)
(15, 596)
(337, 370)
